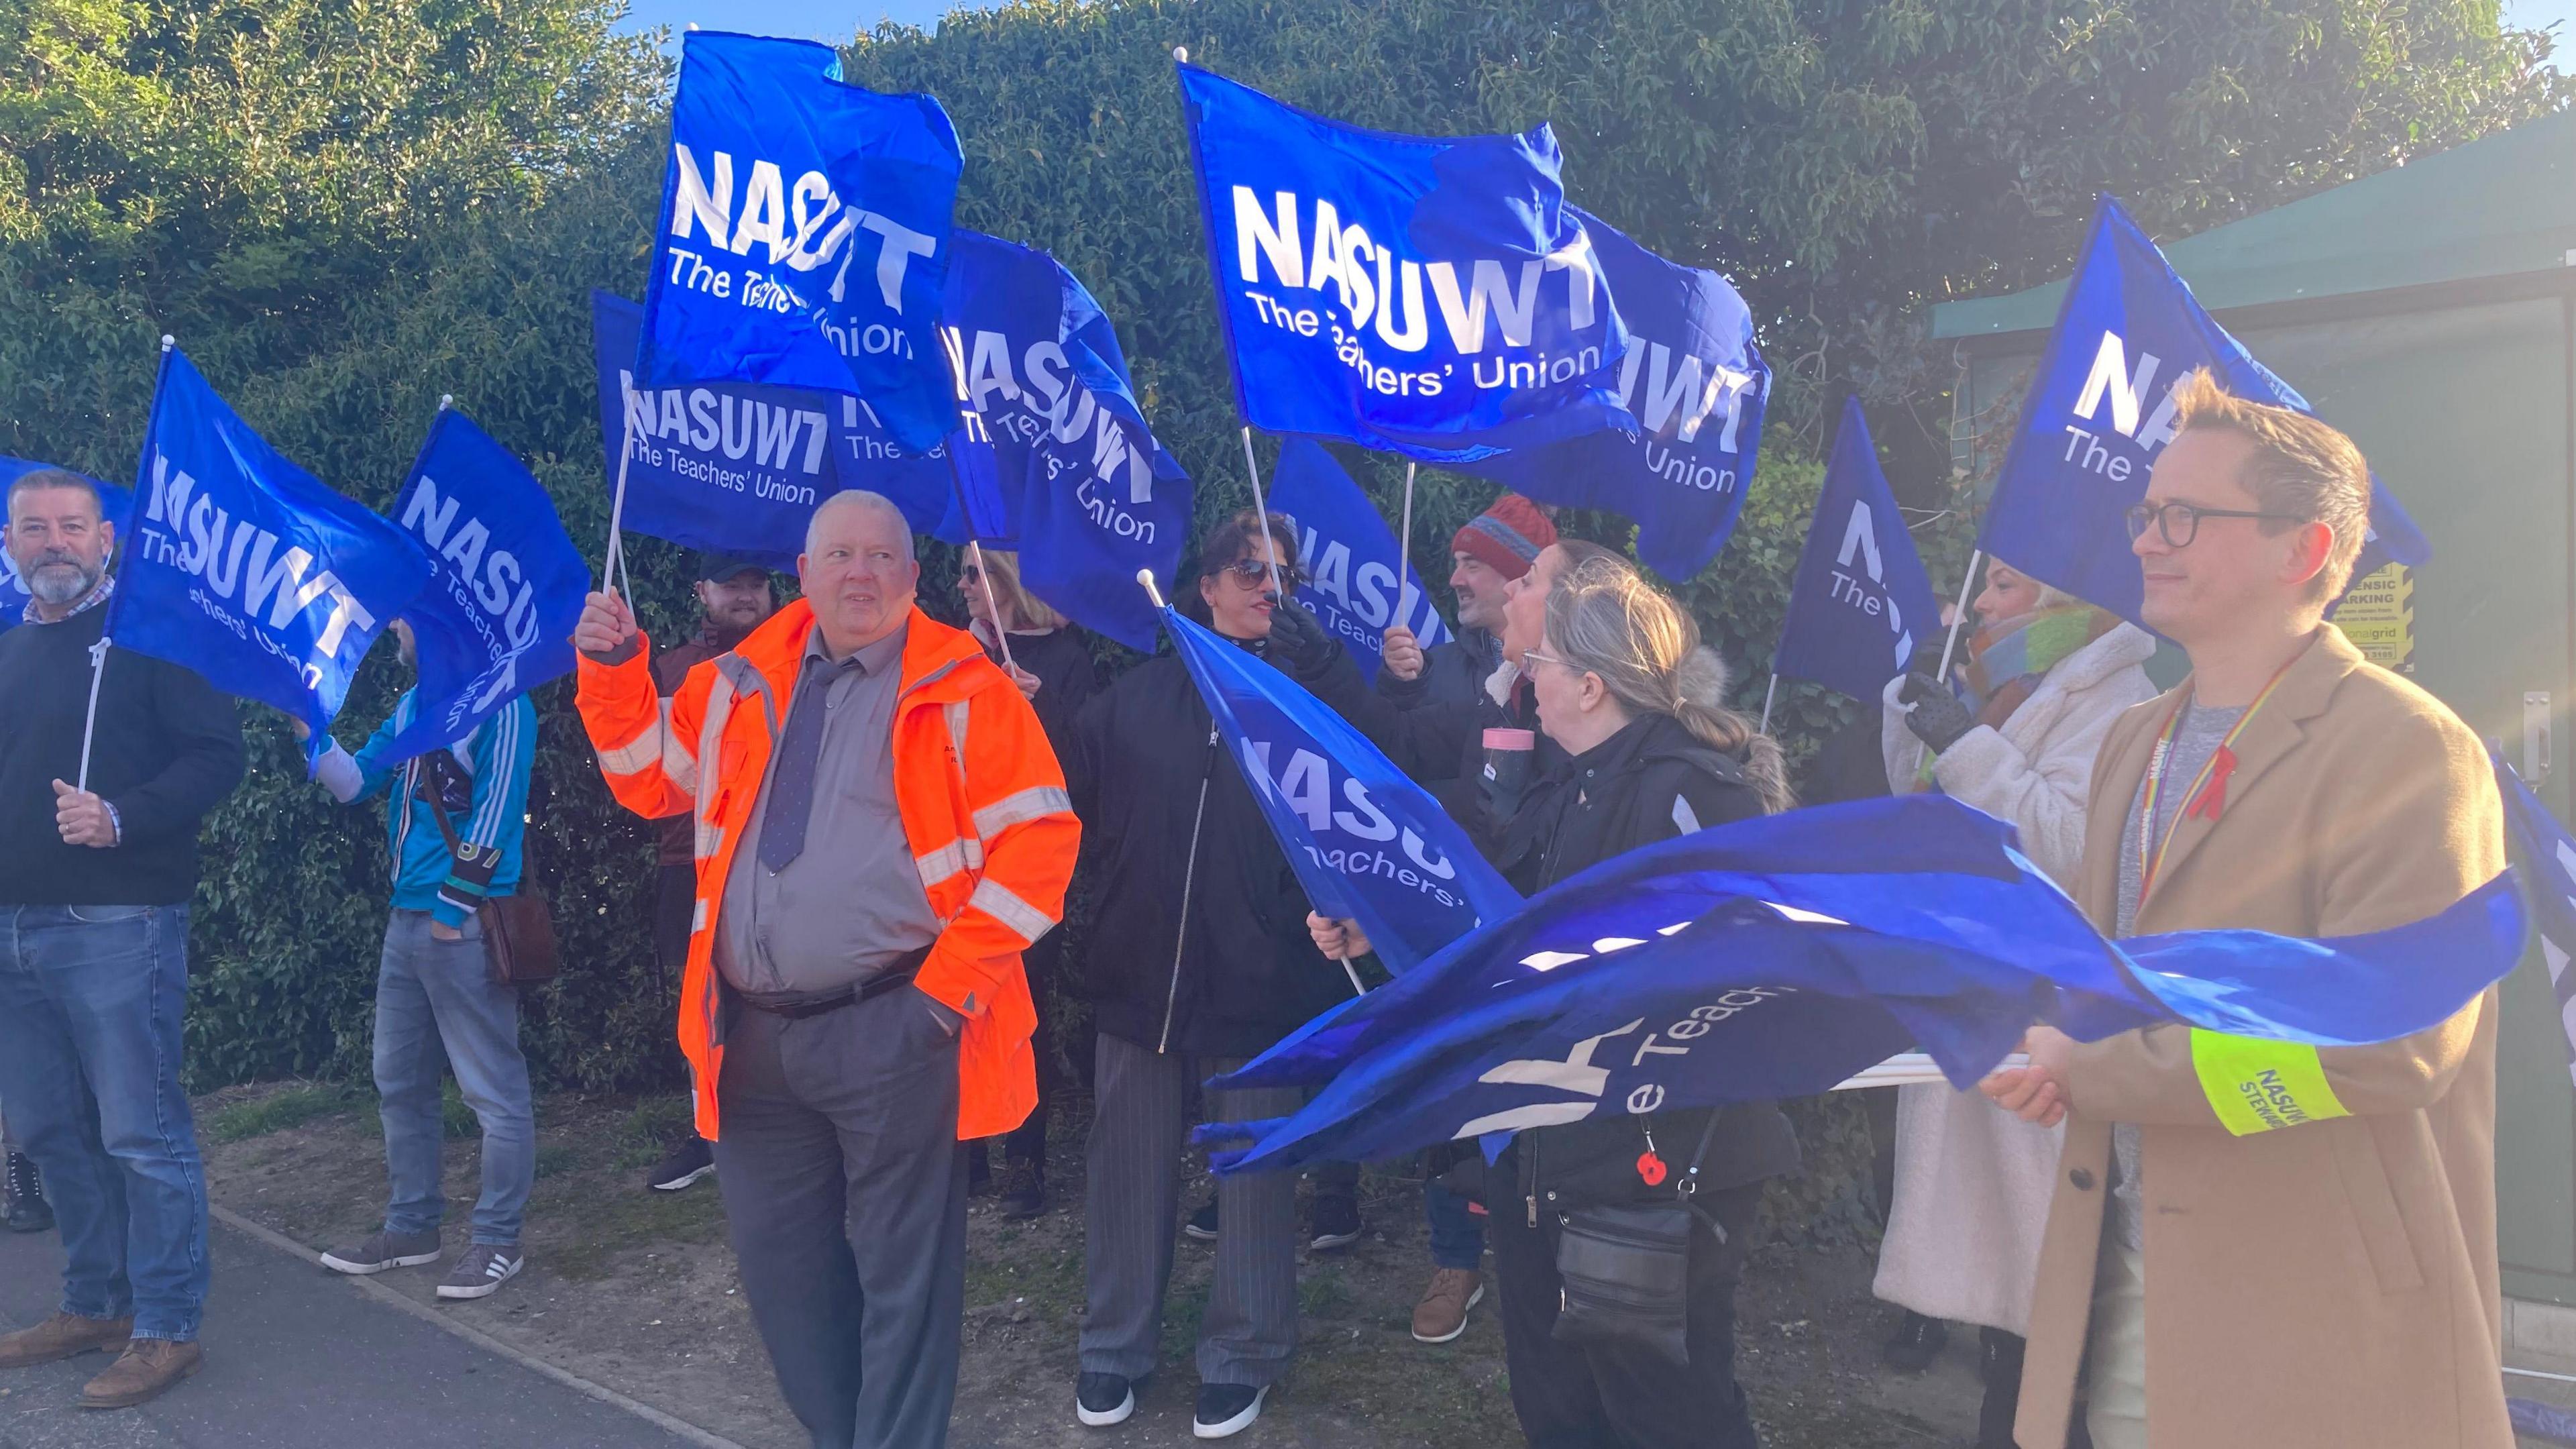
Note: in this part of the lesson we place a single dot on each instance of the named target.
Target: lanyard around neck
(2208, 792)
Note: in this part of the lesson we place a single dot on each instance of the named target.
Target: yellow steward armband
(2262, 1086)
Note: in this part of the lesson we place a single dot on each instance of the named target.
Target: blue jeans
(90, 1003)
(436, 1005)
(1457, 1239)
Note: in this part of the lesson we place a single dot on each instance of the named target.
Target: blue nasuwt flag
(245, 568)
(1368, 844)
(1860, 601)
(1062, 466)
(1431, 297)
(116, 505)
(1695, 386)
(505, 584)
(2548, 866)
(1349, 557)
(804, 233)
(1776, 957)
(2100, 410)
(738, 468)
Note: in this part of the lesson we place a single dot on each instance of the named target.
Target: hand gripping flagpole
(1145, 577)
(1959, 615)
(98, 651)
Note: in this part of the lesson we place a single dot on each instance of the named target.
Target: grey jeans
(436, 1005)
(845, 1195)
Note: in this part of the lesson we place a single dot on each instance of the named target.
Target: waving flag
(1368, 844)
(1432, 297)
(1860, 602)
(1778, 956)
(737, 468)
(245, 568)
(505, 584)
(2549, 864)
(116, 504)
(1064, 467)
(2100, 410)
(1694, 384)
(805, 234)
(1349, 556)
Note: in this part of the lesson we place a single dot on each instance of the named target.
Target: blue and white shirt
(483, 786)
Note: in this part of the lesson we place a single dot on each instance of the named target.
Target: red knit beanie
(1506, 537)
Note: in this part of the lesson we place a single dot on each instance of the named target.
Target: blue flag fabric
(737, 468)
(1694, 384)
(1860, 602)
(1776, 957)
(805, 233)
(1065, 469)
(1367, 843)
(116, 507)
(505, 584)
(1349, 556)
(1431, 297)
(2549, 866)
(2100, 410)
(245, 568)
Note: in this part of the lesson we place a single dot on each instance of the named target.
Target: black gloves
(1938, 719)
(1298, 643)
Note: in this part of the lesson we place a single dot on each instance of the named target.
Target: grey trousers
(845, 1196)
(1140, 1118)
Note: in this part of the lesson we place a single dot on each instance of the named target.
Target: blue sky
(2541, 15)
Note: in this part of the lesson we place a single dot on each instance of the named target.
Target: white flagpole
(1404, 553)
(98, 651)
(1254, 469)
(971, 422)
(1768, 693)
(613, 560)
(1959, 614)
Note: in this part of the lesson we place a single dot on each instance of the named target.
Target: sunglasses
(1253, 573)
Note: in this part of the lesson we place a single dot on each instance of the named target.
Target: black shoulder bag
(1626, 1268)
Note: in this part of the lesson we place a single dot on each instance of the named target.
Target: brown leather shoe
(1442, 1313)
(148, 1366)
(65, 1335)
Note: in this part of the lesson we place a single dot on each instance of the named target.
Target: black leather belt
(901, 973)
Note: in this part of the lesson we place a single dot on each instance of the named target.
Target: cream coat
(2330, 1285)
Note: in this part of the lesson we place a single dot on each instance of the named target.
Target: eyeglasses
(1253, 573)
(970, 575)
(2179, 523)
(1536, 656)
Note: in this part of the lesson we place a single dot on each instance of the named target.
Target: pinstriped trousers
(1132, 1210)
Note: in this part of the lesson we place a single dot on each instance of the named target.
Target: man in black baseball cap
(735, 596)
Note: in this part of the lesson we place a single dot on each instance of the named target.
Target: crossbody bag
(1625, 1268)
(518, 929)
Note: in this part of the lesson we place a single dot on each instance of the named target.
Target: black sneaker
(28, 1211)
(1337, 1223)
(687, 1163)
(1026, 1196)
(1202, 1224)
(1101, 1400)
(1226, 1410)
(1918, 1341)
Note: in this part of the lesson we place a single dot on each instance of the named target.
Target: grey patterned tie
(791, 775)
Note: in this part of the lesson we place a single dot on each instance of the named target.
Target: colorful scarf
(2007, 660)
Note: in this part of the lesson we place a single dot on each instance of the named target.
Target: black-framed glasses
(1253, 573)
(970, 575)
(2179, 523)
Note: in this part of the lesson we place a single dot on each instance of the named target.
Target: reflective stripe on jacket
(981, 797)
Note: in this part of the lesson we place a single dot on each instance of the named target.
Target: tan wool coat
(2330, 1284)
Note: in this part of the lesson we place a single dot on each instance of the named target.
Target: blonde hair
(1604, 619)
(2301, 468)
(1002, 570)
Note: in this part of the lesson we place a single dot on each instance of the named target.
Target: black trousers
(845, 1197)
(1612, 1398)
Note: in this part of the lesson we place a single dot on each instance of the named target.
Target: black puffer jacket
(1650, 782)
(1245, 972)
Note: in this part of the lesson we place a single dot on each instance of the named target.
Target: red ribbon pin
(2213, 798)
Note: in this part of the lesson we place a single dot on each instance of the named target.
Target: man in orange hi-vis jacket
(881, 830)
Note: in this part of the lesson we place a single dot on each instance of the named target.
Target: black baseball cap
(715, 568)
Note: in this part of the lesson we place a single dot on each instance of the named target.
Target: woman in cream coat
(2046, 676)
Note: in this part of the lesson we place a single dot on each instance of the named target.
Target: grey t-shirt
(851, 903)
(2196, 737)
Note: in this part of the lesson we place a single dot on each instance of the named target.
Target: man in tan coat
(2254, 1245)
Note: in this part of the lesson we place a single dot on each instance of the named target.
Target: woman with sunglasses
(1051, 663)
(2046, 675)
(1624, 686)
(1197, 960)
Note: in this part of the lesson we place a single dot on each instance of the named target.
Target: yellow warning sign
(2378, 616)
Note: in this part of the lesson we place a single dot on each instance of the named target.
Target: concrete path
(300, 1358)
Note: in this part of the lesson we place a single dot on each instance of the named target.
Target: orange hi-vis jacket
(978, 788)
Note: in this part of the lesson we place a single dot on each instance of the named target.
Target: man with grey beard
(95, 878)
